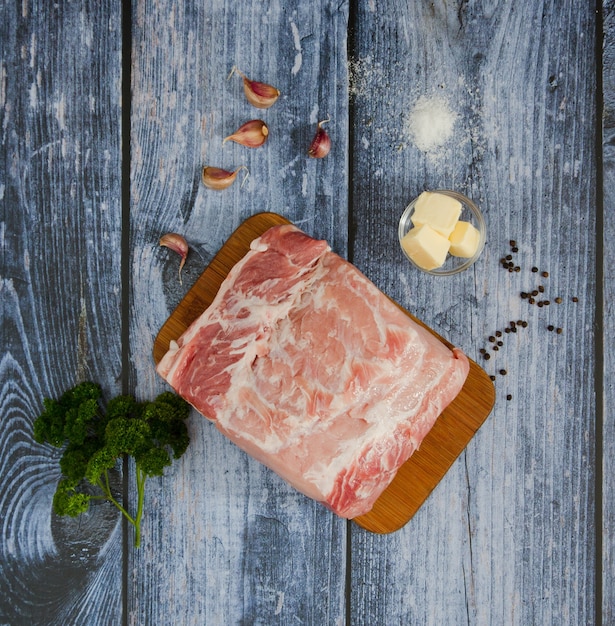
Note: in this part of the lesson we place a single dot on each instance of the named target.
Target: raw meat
(308, 367)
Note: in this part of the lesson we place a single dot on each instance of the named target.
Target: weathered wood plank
(226, 541)
(608, 317)
(60, 231)
(508, 536)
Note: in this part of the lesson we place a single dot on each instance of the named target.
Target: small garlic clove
(321, 144)
(259, 95)
(178, 244)
(217, 178)
(252, 134)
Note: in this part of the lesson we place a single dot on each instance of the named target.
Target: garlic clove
(321, 144)
(178, 244)
(252, 134)
(259, 95)
(217, 178)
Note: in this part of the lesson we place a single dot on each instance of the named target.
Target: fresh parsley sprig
(95, 437)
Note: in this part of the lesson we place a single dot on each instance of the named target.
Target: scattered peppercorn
(575, 299)
(559, 331)
(503, 372)
(534, 269)
(558, 300)
(509, 397)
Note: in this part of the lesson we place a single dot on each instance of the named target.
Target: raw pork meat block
(308, 367)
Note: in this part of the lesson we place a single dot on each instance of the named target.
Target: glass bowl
(469, 213)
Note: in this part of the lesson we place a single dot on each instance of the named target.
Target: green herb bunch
(96, 437)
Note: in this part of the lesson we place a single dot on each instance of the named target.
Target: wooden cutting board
(417, 478)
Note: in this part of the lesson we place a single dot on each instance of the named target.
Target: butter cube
(426, 247)
(464, 240)
(438, 210)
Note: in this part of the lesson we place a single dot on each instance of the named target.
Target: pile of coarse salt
(431, 123)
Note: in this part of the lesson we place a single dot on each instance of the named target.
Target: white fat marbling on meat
(306, 365)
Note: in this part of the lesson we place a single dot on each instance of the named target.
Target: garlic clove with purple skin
(259, 95)
(321, 144)
(178, 244)
(217, 178)
(252, 134)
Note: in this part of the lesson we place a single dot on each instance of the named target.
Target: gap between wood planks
(599, 322)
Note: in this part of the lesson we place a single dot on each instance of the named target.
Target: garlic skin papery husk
(259, 95)
(252, 134)
(217, 178)
(321, 144)
(178, 244)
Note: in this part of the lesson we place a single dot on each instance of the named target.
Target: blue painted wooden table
(108, 115)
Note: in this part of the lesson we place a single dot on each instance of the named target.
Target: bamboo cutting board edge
(452, 432)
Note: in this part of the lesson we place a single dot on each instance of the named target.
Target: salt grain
(431, 123)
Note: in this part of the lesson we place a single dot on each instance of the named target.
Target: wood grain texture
(226, 541)
(59, 288)
(508, 535)
(608, 318)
